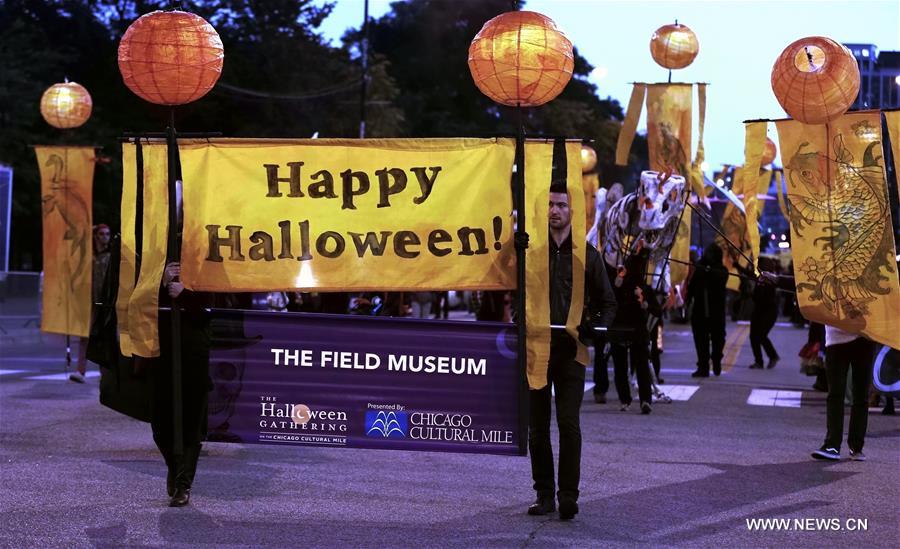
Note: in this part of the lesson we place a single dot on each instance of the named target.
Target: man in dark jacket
(706, 290)
(564, 373)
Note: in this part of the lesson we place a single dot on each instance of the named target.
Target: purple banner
(364, 382)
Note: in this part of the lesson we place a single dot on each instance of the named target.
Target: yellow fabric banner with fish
(347, 215)
(669, 144)
(67, 178)
(754, 145)
(841, 234)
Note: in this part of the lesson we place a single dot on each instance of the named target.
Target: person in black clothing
(635, 300)
(564, 373)
(765, 313)
(706, 290)
(195, 384)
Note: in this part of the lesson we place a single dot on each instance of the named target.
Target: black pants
(760, 326)
(638, 349)
(567, 378)
(195, 385)
(708, 332)
(601, 362)
(856, 356)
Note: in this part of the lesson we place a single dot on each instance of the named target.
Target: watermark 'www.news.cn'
(807, 524)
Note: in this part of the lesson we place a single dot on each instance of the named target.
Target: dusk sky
(739, 42)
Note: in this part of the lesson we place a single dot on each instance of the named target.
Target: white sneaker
(857, 456)
(76, 377)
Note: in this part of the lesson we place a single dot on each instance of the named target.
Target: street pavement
(692, 474)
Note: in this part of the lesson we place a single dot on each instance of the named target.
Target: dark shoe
(542, 506)
(661, 381)
(77, 377)
(645, 409)
(857, 456)
(600, 398)
(181, 498)
(717, 369)
(756, 366)
(831, 454)
(625, 407)
(820, 387)
(699, 373)
(772, 362)
(568, 508)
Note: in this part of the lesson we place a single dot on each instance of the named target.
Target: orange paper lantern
(170, 57)
(815, 80)
(674, 46)
(66, 105)
(769, 152)
(521, 59)
(588, 158)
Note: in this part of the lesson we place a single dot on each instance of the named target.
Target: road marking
(679, 392)
(588, 386)
(770, 397)
(733, 346)
(62, 377)
(8, 372)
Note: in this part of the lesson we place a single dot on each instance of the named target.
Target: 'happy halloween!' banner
(327, 214)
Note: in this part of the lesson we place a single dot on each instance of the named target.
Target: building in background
(879, 77)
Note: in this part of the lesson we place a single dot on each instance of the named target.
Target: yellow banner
(145, 225)
(327, 214)
(734, 227)
(67, 178)
(629, 125)
(754, 145)
(538, 171)
(842, 240)
(669, 144)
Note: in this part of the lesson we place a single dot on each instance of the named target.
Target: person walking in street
(101, 254)
(564, 374)
(845, 351)
(706, 291)
(762, 320)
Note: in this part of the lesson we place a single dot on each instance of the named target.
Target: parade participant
(564, 374)
(762, 320)
(635, 300)
(195, 383)
(102, 236)
(845, 351)
(706, 291)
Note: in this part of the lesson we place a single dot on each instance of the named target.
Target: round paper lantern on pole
(674, 46)
(588, 158)
(815, 80)
(170, 57)
(521, 59)
(769, 152)
(66, 105)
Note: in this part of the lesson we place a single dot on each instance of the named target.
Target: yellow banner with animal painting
(669, 144)
(841, 233)
(67, 178)
(347, 215)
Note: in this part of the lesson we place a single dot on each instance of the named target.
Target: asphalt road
(691, 474)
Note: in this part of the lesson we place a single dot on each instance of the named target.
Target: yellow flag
(143, 307)
(128, 250)
(388, 214)
(67, 177)
(841, 235)
(754, 146)
(538, 171)
(734, 227)
(669, 144)
(629, 125)
(590, 182)
(579, 247)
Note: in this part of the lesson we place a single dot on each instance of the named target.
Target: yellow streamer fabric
(67, 178)
(590, 182)
(696, 176)
(841, 235)
(128, 250)
(143, 305)
(388, 214)
(538, 171)
(754, 146)
(579, 247)
(629, 125)
(669, 144)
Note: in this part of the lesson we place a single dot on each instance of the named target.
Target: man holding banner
(564, 372)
